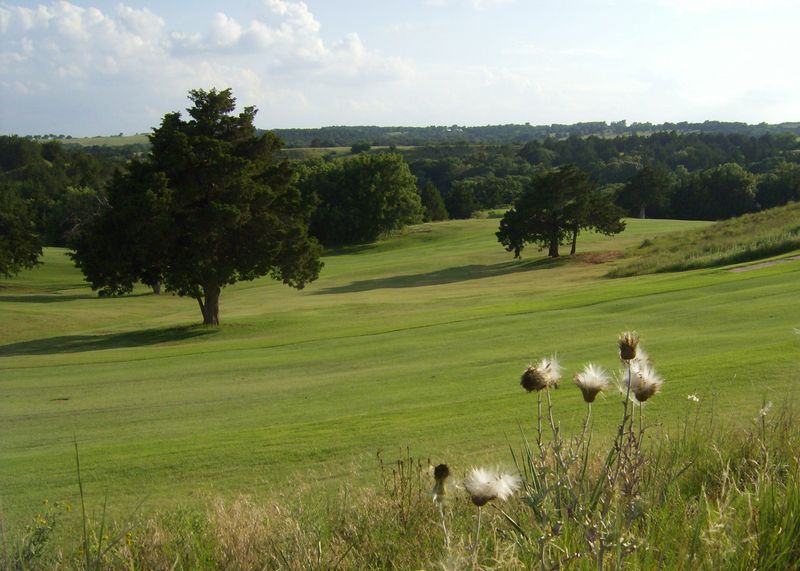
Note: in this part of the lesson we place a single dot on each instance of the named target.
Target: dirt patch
(752, 267)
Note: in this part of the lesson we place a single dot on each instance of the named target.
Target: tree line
(213, 200)
(345, 136)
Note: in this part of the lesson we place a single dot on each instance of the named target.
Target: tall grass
(743, 239)
(699, 496)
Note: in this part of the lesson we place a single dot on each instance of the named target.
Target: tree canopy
(211, 205)
(20, 246)
(555, 207)
(362, 197)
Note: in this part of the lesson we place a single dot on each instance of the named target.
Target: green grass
(743, 239)
(417, 341)
(110, 141)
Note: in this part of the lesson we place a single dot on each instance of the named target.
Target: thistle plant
(440, 475)
(558, 485)
(484, 486)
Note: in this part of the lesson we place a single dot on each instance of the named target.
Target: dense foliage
(555, 207)
(20, 246)
(696, 171)
(359, 198)
(62, 187)
(341, 136)
(210, 206)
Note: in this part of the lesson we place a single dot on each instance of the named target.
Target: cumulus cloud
(131, 62)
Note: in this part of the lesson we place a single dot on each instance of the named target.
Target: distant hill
(346, 136)
(505, 134)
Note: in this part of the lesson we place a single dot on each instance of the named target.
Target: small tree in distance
(210, 206)
(555, 208)
(432, 202)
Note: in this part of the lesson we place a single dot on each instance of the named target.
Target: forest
(57, 189)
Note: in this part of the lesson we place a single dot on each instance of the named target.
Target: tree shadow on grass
(446, 276)
(334, 251)
(82, 343)
(56, 298)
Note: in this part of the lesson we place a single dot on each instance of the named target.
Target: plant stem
(83, 504)
(444, 526)
(477, 539)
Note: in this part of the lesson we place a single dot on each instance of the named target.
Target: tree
(717, 193)
(779, 186)
(556, 207)
(432, 202)
(360, 148)
(362, 197)
(211, 205)
(460, 201)
(650, 187)
(122, 244)
(20, 246)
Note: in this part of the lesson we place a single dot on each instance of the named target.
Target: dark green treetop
(556, 206)
(210, 206)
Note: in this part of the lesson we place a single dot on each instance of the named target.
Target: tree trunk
(553, 251)
(210, 306)
(574, 241)
(641, 211)
(156, 288)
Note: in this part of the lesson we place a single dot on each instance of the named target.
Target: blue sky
(84, 67)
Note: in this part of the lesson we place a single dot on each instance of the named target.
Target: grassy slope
(416, 341)
(750, 237)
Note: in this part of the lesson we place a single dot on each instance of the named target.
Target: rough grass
(743, 239)
(708, 494)
(416, 341)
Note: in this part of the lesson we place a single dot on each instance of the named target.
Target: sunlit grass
(417, 341)
(749, 237)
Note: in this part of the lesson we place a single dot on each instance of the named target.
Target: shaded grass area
(80, 343)
(407, 342)
(738, 240)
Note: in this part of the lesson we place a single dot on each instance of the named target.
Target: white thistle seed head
(591, 381)
(484, 485)
(645, 382)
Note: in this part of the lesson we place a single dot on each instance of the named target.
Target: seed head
(542, 375)
(484, 485)
(645, 382)
(440, 474)
(628, 342)
(591, 381)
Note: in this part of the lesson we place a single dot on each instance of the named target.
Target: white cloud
(694, 7)
(475, 4)
(59, 51)
(484, 4)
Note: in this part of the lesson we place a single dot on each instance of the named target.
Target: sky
(99, 67)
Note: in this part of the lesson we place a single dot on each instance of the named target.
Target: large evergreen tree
(211, 205)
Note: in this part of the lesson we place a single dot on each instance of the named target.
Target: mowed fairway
(417, 341)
